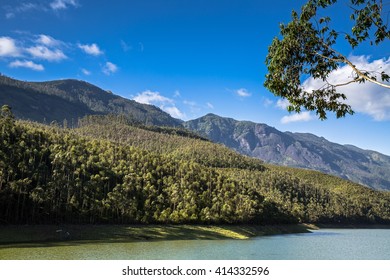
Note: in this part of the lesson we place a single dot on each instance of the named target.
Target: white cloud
(43, 52)
(109, 68)
(282, 104)
(242, 92)
(209, 105)
(152, 97)
(297, 117)
(8, 47)
(366, 98)
(42, 6)
(174, 112)
(85, 72)
(48, 41)
(45, 48)
(27, 64)
(164, 103)
(63, 4)
(92, 49)
(12, 11)
(301, 117)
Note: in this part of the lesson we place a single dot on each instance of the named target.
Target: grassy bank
(123, 233)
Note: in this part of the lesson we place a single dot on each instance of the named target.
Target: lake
(323, 244)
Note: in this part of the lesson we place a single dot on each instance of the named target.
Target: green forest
(109, 170)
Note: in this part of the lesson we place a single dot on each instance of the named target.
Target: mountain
(108, 170)
(301, 150)
(72, 99)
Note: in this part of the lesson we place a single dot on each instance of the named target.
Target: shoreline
(35, 234)
(353, 226)
(22, 234)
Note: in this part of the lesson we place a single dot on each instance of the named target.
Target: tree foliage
(108, 171)
(307, 48)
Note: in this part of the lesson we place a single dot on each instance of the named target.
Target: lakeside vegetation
(109, 171)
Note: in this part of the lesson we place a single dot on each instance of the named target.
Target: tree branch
(347, 83)
(358, 72)
(364, 76)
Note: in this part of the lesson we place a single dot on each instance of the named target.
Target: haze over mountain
(73, 99)
(303, 150)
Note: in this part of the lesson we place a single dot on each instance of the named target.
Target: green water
(325, 244)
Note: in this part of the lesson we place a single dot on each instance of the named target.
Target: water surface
(324, 244)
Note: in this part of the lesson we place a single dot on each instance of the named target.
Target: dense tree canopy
(307, 48)
(108, 171)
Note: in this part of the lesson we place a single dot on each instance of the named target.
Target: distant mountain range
(73, 99)
(301, 150)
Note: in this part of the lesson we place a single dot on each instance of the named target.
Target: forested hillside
(67, 101)
(109, 171)
(72, 99)
(303, 150)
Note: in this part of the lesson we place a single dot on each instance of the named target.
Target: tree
(6, 112)
(308, 49)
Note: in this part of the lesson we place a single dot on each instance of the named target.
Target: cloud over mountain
(43, 52)
(164, 103)
(109, 68)
(301, 117)
(243, 92)
(26, 64)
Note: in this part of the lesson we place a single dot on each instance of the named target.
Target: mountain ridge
(72, 99)
(302, 150)
(109, 171)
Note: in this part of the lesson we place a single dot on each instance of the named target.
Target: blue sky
(189, 58)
